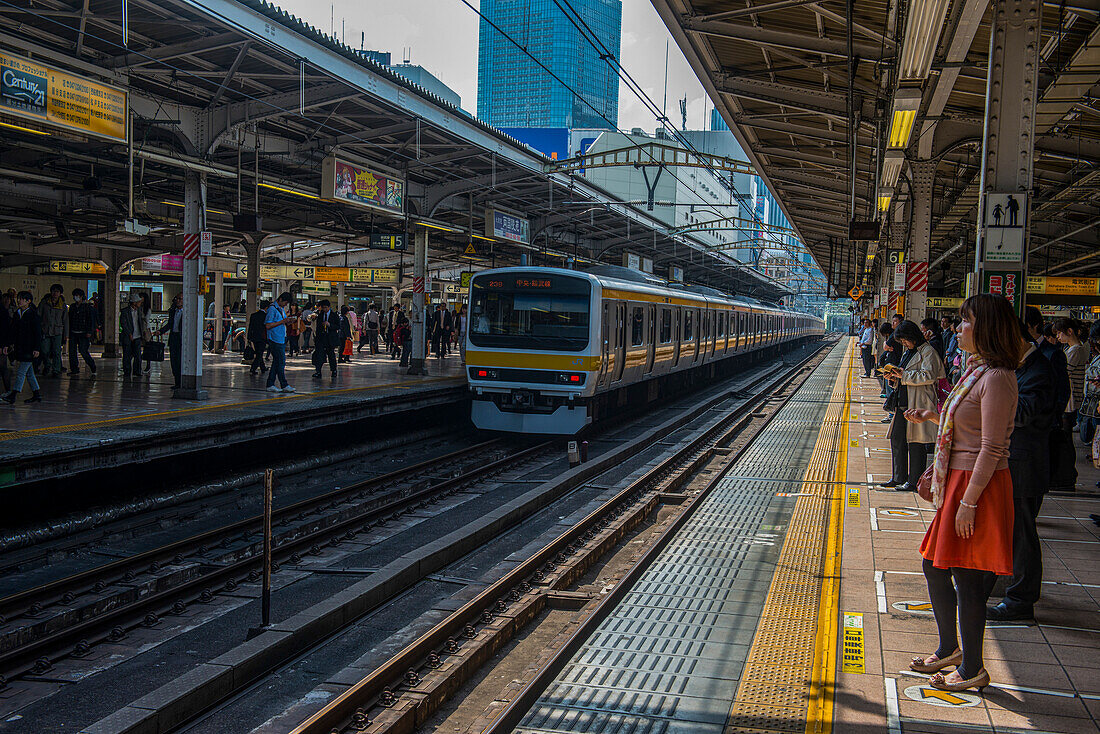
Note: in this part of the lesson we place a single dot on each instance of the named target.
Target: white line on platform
(880, 590)
(907, 573)
(866, 452)
(1072, 583)
(1060, 540)
(874, 519)
(870, 479)
(893, 714)
(1071, 629)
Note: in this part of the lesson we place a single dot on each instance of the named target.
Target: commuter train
(548, 350)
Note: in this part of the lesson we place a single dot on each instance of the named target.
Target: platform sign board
(1005, 227)
(632, 261)
(893, 257)
(676, 274)
(1007, 283)
(392, 242)
(316, 287)
(899, 276)
(352, 183)
(376, 276)
(1064, 286)
(36, 92)
(163, 263)
(466, 278)
(76, 267)
(944, 302)
(504, 226)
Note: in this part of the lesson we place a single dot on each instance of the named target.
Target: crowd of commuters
(994, 400)
(33, 337)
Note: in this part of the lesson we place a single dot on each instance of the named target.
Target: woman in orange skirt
(970, 539)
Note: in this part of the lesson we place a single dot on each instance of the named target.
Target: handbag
(942, 388)
(1096, 450)
(924, 484)
(153, 351)
(249, 353)
(347, 347)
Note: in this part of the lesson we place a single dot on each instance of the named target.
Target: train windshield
(529, 311)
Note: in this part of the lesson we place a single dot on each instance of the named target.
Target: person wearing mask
(83, 322)
(257, 339)
(53, 317)
(275, 321)
(372, 321)
(326, 336)
(913, 381)
(1029, 465)
(173, 327)
(26, 341)
(867, 347)
(133, 332)
(970, 537)
(933, 334)
(346, 331)
(7, 339)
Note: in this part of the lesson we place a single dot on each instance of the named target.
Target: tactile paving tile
(669, 657)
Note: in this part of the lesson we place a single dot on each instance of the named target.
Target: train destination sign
(35, 92)
(358, 185)
(504, 226)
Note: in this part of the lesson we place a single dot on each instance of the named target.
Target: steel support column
(112, 285)
(420, 276)
(920, 238)
(341, 291)
(194, 221)
(1009, 141)
(219, 304)
(252, 294)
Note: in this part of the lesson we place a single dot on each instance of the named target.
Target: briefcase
(153, 352)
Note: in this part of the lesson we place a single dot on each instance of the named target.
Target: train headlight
(482, 373)
(571, 378)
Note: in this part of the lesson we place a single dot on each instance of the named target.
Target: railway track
(402, 693)
(68, 616)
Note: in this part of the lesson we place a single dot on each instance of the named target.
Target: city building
(416, 74)
(515, 93)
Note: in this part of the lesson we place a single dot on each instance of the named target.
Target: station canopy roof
(257, 101)
(778, 71)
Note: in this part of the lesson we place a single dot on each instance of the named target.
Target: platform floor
(792, 600)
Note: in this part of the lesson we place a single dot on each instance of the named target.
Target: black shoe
(1008, 613)
(9, 397)
(891, 483)
(887, 419)
(34, 398)
(1095, 518)
(317, 375)
(903, 488)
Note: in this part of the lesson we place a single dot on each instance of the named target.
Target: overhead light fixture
(20, 128)
(884, 197)
(487, 239)
(892, 162)
(285, 190)
(922, 35)
(906, 104)
(438, 226)
(208, 209)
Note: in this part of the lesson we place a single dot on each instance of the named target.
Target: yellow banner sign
(1064, 286)
(944, 302)
(374, 275)
(42, 93)
(75, 267)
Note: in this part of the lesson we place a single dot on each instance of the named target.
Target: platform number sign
(855, 293)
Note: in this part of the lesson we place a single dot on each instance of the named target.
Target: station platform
(108, 420)
(792, 599)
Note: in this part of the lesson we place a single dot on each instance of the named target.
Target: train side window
(721, 323)
(666, 325)
(689, 333)
(637, 324)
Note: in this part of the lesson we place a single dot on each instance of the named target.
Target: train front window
(529, 312)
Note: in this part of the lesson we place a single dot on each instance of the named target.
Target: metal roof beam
(175, 50)
(780, 39)
(754, 10)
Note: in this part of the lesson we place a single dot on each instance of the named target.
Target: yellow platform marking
(788, 681)
(211, 408)
(853, 660)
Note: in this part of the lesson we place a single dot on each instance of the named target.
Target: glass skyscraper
(514, 92)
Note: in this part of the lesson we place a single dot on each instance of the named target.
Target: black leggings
(966, 599)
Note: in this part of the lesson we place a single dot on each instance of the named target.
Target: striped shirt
(1077, 358)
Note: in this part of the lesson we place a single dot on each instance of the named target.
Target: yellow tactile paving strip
(787, 682)
(130, 419)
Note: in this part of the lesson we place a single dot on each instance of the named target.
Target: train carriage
(549, 350)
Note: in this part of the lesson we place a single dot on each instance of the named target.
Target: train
(550, 350)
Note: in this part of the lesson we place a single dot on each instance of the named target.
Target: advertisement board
(358, 185)
(1007, 283)
(504, 226)
(35, 92)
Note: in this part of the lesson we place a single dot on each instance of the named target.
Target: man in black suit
(174, 328)
(1029, 464)
(326, 335)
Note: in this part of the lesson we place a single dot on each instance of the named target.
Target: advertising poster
(354, 184)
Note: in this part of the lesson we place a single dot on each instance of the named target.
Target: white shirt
(135, 331)
(867, 338)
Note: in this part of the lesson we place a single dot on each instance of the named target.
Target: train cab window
(666, 326)
(637, 324)
(546, 312)
(689, 332)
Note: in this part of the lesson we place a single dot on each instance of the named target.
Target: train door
(651, 333)
(605, 343)
(677, 334)
(620, 340)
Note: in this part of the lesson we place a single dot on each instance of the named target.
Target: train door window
(651, 337)
(666, 325)
(689, 331)
(606, 336)
(637, 326)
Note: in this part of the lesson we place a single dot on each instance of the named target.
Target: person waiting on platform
(133, 328)
(293, 330)
(7, 338)
(970, 538)
(257, 339)
(26, 340)
(933, 334)
(913, 381)
(173, 327)
(276, 321)
(326, 335)
(53, 316)
(371, 321)
(83, 322)
(867, 346)
(1088, 412)
(347, 330)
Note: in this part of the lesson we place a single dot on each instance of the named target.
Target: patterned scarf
(975, 368)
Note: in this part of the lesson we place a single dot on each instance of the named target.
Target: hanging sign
(1064, 286)
(466, 278)
(393, 242)
(316, 287)
(676, 274)
(1005, 225)
(632, 261)
(75, 267)
(375, 275)
(944, 302)
(895, 256)
(899, 276)
(505, 226)
(1007, 283)
(354, 184)
(36, 92)
(163, 263)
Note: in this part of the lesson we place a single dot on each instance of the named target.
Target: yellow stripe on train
(575, 362)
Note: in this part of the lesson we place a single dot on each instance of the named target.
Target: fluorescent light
(892, 162)
(208, 209)
(289, 191)
(922, 35)
(22, 129)
(884, 197)
(438, 226)
(906, 103)
(487, 239)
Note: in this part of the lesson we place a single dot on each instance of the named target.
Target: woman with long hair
(913, 381)
(970, 539)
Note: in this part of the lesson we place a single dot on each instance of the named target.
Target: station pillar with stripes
(920, 241)
(194, 222)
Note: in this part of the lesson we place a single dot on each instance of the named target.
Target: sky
(441, 36)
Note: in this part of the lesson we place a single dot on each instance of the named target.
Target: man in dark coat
(1029, 464)
(257, 337)
(326, 335)
(26, 345)
(83, 322)
(174, 328)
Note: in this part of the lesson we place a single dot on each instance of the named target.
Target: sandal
(934, 664)
(980, 681)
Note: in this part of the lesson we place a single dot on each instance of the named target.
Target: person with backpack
(371, 322)
(26, 343)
